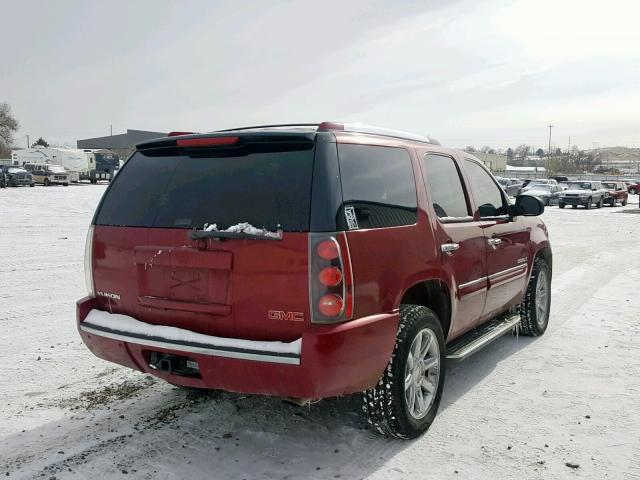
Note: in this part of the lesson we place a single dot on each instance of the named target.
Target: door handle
(494, 242)
(449, 247)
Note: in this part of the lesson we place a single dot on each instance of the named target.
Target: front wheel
(624, 202)
(600, 203)
(404, 402)
(633, 191)
(588, 204)
(561, 205)
(534, 311)
(32, 185)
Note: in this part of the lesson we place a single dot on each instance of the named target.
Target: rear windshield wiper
(240, 231)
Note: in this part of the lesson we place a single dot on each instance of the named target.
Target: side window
(486, 193)
(442, 179)
(378, 187)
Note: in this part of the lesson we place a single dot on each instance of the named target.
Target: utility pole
(549, 155)
(28, 144)
(111, 129)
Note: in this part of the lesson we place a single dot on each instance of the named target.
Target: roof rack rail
(344, 127)
(278, 125)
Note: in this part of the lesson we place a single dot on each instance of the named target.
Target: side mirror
(526, 205)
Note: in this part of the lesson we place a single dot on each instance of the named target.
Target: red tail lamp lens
(330, 305)
(330, 276)
(328, 249)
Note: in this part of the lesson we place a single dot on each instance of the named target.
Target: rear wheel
(46, 182)
(561, 205)
(600, 203)
(633, 191)
(404, 402)
(534, 311)
(624, 202)
(574, 206)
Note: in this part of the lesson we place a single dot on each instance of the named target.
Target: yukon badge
(112, 296)
(287, 316)
(350, 216)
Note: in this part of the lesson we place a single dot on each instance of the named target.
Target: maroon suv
(309, 261)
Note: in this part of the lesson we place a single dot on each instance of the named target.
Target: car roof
(310, 129)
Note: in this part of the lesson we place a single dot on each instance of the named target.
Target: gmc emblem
(287, 316)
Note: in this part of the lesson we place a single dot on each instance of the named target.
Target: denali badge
(288, 316)
(113, 296)
(350, 215)
(522, 260)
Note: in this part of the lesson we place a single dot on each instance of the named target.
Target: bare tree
(8, 125)
(470, 149)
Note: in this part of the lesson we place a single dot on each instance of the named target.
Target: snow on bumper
(331, 359)
(128, 329)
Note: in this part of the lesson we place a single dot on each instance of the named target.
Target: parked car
(309, 262)
(48, 174)
(585, 193)
(538, 181)
(549, 194)
(560, 178)
(617, 192)
(17, 176)
(633, 188)
(4, 179)
(511, 186)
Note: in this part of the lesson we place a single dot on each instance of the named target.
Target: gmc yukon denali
(310, 261)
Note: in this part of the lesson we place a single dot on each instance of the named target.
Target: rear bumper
(337, 360)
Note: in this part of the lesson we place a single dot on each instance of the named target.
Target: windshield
(538, 182)
(17, 170)
(503, 181)
(167, 190)
(611, 186)
(56, 169)
(579, 186)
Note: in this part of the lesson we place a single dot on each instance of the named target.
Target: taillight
(88, 262)
(330, 278)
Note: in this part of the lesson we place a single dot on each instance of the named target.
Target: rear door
(506, 242)
(147, 266)
(458, 236)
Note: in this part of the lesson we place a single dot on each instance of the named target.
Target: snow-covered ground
(521, 408)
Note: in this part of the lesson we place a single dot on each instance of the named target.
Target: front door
(459, 237)
(506, 241)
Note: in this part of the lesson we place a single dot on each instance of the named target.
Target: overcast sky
(480, 72)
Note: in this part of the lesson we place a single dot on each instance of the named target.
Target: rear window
(265, 188)
(378, 186)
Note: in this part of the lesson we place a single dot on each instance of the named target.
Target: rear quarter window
(377, 185)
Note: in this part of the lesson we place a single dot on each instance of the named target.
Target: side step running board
(480, 337)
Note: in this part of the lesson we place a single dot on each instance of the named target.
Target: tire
(561, 205)
(589, 203)
(32, 185)
(534, 310)
(47, 182)
(574, 206)
(386, 406)
(600, 203)
(624, 202)
(633, 191)
(547, 203)
(65, 184)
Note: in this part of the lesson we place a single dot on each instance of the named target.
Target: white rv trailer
(75, 161)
